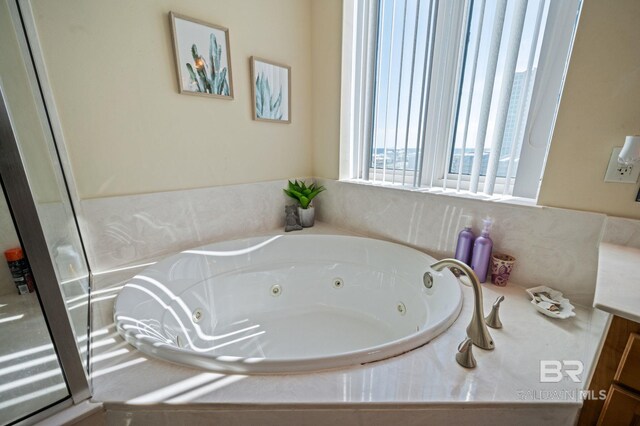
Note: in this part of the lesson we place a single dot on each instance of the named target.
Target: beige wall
(100, 53)
(600, 106)
(126, 128)
(326, 44)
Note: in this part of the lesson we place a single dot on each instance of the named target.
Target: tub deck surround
(287, 303)
(126, 229)
(427, 378)
(332, 415)
(553, 247)
(618, 286)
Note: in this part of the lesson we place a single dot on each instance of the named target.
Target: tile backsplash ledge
(554, 247)
(623, 232)
(130, 229)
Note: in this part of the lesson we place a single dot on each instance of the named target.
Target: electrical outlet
(619, 173)
(622, 171)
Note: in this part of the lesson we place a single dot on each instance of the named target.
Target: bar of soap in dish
(551, 302)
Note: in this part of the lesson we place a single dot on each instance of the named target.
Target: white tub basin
(286, 304)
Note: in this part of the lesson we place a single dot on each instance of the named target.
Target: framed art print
(271, 91)
(203, 57)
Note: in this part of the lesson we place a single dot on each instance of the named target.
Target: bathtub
(286, 304)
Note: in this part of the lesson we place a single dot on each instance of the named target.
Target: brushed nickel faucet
(465, 355)
(493, 319)
(477, 329)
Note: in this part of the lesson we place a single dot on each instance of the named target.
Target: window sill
(500, 199)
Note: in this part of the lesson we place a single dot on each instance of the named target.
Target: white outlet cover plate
(614, 176)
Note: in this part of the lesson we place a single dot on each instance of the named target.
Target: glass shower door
(39, 158)
(31, 378)
(44, 333)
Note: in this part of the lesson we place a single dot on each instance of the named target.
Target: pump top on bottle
(487, 223)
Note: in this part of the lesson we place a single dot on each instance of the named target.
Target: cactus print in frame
(271, 91)
(203, 57)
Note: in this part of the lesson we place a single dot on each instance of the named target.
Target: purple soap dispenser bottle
(482, 252)
(465, 241)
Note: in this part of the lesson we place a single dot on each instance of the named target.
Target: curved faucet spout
(477, 329)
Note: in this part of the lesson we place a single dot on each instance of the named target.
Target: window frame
(357, 107)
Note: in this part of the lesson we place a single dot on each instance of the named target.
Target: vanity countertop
(429, 376)
(618, 283)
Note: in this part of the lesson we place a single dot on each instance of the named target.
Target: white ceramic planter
(307, 216)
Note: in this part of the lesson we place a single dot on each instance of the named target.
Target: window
(458, 95)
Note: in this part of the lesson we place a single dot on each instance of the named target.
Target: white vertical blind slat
(426, 89)
(437, 114)
(370, 32)
(413, 64)
(492, 63)
(357, 91)
(466, 23)
(395, 139)
(472, 82)
(513, 49)
(525, 101)
(386, 113)
(376, 119)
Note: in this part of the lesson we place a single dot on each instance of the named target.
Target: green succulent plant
(302, 193)
(207, 80)
(267, 105)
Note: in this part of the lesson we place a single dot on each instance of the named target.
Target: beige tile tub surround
(503, 389)
(124, 230)
(553, 247)
(138, 387)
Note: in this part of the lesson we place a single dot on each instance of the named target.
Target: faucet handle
(493, 319)
(465, 354)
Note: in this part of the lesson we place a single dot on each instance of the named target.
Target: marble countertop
(510, 374)
(618, 283)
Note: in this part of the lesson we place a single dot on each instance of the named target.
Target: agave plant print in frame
(271, 91)
(202, 57)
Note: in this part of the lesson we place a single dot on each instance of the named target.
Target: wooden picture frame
(205, 71)
(267, 79)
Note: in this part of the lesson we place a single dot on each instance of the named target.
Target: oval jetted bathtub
(283, 304)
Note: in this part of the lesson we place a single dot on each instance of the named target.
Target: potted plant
(304, 194)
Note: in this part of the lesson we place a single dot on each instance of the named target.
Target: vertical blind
(443, 90)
